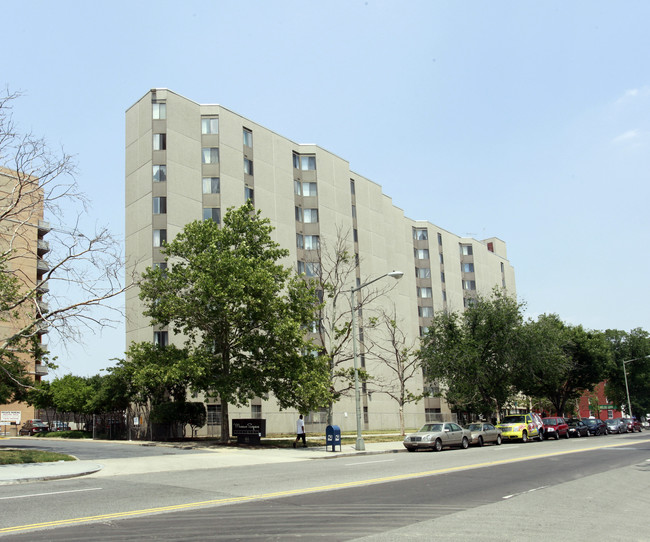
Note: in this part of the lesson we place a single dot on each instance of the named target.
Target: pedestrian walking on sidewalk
(300, 433)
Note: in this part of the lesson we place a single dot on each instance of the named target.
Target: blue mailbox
(332, 437)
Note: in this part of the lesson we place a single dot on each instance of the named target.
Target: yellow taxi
(522, 427)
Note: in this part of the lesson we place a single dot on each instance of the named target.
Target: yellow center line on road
(343, 485)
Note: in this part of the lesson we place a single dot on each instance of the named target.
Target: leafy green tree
(561, 361)
(243, 314)
(475, 353)
(625, 346)
(71, 395)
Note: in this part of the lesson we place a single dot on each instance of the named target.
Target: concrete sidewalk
(208, 458)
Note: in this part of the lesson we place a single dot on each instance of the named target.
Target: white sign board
(10, 416)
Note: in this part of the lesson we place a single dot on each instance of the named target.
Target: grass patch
(12, 457)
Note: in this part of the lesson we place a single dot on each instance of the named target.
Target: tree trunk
(225, 423)
(401, 420)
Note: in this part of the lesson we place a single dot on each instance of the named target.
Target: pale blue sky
(528, 121)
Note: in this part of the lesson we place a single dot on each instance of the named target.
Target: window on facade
(354, 211)
(442, 259)
(248, 138)
(159, 110)
(160, 265)
(161, 338)
(309, 189)
(352, 188)
(249, 194)
(466, 250)
(444, 295)
(469, 285)
(297, 188)
(421, 253)
(490, 247)
(256, 411)
(300, 240)
(422, 273)
(312, 242)
(210, 155)
(212, 213)
(432, 415)
(424, 292)
(159, 237)
(159, 142)
(467, 267)
(248, 166)
(310, 216)
(310, 269)
(469, 302)
(420, 234)
(298, 214)
(210, 125)
(440, 239)
(423, 330)
(211, 185)
(365, 414)
(159, 205)
(355, 235)
(305, 162)
(425, 312)
(502, 267)
(442, 277)
(214, 414)
(159, 174)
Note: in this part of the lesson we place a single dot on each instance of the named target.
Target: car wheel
(410, 449)
(540, 436)
(498, 440)
(438, 445)
(566, 435)
(480, 441)
(464, 443)
(524, 437)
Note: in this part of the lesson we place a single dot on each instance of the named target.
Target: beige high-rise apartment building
(187, 161)
(23, 247)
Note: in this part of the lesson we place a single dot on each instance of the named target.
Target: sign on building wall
(10, 416)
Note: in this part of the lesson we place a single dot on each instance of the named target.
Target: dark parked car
(577, 428)
(616, 425)
(31, 427)
(596, 427)
(555, 428)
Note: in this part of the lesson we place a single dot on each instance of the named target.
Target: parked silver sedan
(483, 433)
(436, 436)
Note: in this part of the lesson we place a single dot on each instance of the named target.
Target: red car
(31, 427)
(555, 427)
(633, 425)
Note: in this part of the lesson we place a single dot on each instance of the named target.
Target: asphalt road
(387, 497)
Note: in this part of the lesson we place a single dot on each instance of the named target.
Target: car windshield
(590, 422)
(514, 419)
(475, 427)
(550, 421)
(431, 428)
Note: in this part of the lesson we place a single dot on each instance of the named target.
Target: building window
(161, 338)
(298, 214)
(423, 330)
(159, 142)
(440, 239)
(256, 411)
(420, 234)
(502, 267)
(214, 414)
(466, 250)
(159, 110)
(159, 174)
(490, 246)
(422, 273)
(355, 235)
(307, 189)
(211, 185)
(425, 312)
(352, 189)
(469, 285)
(210, 125)
(248, 166)
(442, 277)
(354, 211)
(159, 237)
(300, 240)
(159, 205)
(160, 265)
(442, 259)
(312, 242)
(305, 162)
(444, 295)
(469, 302)
(432, 415)
(365, 414)
(424, 292)
(467, 267)
(310, 216)
(210, 155)
(421, 253)
(212, 213)
(249, 194)
(248, 138)
(310, 269)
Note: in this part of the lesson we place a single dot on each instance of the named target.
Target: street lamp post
(627, 390)
(360, 445)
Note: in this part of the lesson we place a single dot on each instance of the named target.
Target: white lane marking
(369, 462)
(524, 492)
(50, 493)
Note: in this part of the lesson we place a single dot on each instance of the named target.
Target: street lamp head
(395, 274)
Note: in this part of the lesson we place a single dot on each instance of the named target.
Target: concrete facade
(213, 159)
